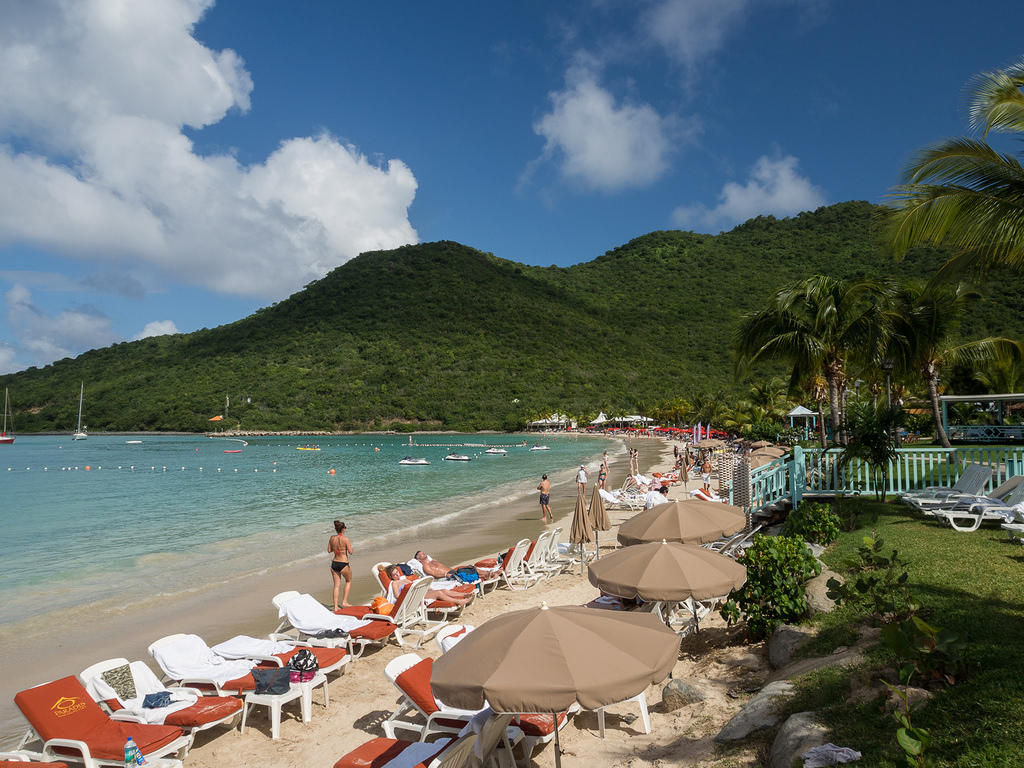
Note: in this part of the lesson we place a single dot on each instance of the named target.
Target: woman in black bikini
(341, 548)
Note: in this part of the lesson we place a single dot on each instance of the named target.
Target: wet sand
(83, 636)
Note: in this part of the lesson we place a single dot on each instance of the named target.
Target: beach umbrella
(773, 452)
(580, 530)
(711, 442)
(599, 518)
(667, 572)
(760, 444)
(691, 522)
(547, 659)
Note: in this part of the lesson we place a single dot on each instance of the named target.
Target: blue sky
(176, 164)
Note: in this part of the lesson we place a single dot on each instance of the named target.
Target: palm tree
(816, 326)
(923, 337)
(962, 192)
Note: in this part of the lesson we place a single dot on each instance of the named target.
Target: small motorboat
(234, 450)
(496, 451)
(133, 442)
(409, 460)
(457, 457)
(540, 448)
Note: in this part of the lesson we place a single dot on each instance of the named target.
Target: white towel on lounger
(145, 683)
(416, 753)
(308, 615)
(189, 657)
(245, 647)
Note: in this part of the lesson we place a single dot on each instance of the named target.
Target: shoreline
(67, 642)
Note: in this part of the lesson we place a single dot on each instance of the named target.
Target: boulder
(749, 661)
(679, 693)
(916, 697)
(816, 549)
(799, 733)
(784, 642)
(818, 600)
(845, 658)
(761, 712)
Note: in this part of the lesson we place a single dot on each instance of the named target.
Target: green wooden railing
(822, 472)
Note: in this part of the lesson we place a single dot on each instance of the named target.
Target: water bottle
(129, 753)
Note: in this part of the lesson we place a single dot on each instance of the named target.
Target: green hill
(440, 335)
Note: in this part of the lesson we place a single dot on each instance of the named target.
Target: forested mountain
(440, 335)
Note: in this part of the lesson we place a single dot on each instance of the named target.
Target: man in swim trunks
(341, 549)
(429, 566)
(705, 474)
(545, 499)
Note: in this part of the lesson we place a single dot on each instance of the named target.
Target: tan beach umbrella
(599, 517)
(547, 659)
(710, 442)
(774, 452)
(760, 444)
(668, 572)
(690, 522)
(580, 530)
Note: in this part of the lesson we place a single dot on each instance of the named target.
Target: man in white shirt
(581, 479)
(654, 498)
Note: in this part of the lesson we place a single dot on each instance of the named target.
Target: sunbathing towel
(416, 566)
(244, 647)
(145, 682)
(416, 753)
(189, 657)
(450, 641)
(308, 615)
(608, 496)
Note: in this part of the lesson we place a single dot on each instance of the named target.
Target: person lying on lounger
(398, 584)
(429, 566)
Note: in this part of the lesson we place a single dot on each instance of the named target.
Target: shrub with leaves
(777, 569)
(927, 655)
(816, 523)
(880, 587)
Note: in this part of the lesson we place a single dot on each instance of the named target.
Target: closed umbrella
(599, 517)
(690, 522)
(547, 659)
(579, 531)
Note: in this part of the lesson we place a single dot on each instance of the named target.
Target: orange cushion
(487, 564)
(378, 752)
(538, 724)
(377, 629)
(415, 683)
(238, 685)
(63, 709)
(208, 709)
(325, 657)
(22, 764)
(358, 611)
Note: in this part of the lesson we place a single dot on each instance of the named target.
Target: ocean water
(104, 521)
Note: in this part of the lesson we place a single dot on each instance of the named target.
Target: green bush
(777, 569)
(816, 523)
(880, 587)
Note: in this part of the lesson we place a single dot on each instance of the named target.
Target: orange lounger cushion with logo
(63, 709)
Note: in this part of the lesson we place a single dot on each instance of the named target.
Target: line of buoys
(98, 468)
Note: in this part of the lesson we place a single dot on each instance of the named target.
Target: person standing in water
(341, 548)
(545, 499)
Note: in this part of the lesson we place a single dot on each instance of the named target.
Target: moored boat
(6, 439)
(496, 451)
(409, 460)
(457, 457)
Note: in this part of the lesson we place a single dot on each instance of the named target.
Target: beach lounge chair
(490, 730)
(514, 573)
(535, 561)
(314, 618)
(73, 727)
(431, 605)
(499, 568)
(1007, 494)
(970, 483)
(410, 674)
(20, 757)
(191, 711)
(968, 516)
(187, 660)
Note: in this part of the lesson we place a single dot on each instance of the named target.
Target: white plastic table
(274, 701)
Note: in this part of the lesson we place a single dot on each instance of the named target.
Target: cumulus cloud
(774, 187)
(44, 338)
(692, 30)
(7, 359)
(94, 96)
(599, 143)
(156, 328)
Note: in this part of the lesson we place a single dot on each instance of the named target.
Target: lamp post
(887, 366)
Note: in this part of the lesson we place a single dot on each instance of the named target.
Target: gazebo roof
(980, 398)
(801, 411)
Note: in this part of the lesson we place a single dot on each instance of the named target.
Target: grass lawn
(971, 584)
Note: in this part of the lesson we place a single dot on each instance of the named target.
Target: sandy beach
(362, 697)
(83, 635)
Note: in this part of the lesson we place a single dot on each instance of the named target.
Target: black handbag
(272, 681)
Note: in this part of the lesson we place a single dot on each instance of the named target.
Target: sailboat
(80, 433)
(6, 439)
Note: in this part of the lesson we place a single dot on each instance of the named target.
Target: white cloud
(7, 357)
(601, 144)
(43, 338)
(156, 328)
(774, 188)
(94, 95)
(692, 30)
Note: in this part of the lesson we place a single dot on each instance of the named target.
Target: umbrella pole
(597, 544)
(558, 749)
(696, 621)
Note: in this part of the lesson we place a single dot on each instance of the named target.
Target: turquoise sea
(102, 519)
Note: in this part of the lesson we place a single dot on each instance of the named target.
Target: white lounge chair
(968, 516)
(373, 629)
(971, 483)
